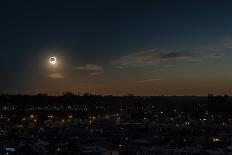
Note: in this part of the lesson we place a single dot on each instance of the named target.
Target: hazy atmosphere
(116, 47)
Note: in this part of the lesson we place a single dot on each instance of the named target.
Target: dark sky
(149, 47)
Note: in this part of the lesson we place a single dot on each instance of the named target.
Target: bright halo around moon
(52, 60)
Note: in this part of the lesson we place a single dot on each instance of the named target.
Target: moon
(52, 60)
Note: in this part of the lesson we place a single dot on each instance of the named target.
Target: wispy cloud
(150, 80)
(56, 75)
(227, 42)
(93, 68)
(96, 73)
(90, 67)
(156, 55)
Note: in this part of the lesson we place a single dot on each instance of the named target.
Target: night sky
(150, 47)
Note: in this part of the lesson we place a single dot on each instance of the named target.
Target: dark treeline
(192, 104)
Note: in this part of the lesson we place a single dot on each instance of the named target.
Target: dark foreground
(97, 125)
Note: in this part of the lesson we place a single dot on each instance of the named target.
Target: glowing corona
(52, 60)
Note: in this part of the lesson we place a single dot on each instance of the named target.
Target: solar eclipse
(52, 60)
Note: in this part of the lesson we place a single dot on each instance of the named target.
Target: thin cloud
(57, 75)
(227, 42)
(155, 56)
(90, 67)
(96, 73)
(149, 80)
